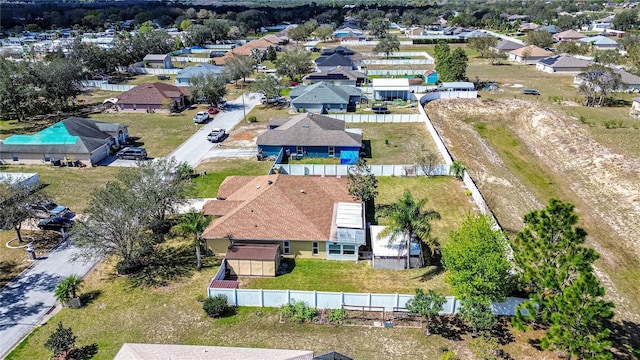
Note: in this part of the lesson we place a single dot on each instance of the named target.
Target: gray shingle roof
(506, 45)
(565, 61)
(310, 130)
(203, 68)
(334, 60)
(323, 93)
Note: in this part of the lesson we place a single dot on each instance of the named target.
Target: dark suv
(132, 153)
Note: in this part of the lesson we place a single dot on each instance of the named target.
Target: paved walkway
(28, 298)
(197, 146)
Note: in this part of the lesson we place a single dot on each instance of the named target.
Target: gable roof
(323, 93)
(71, 135)
(155, 57)
(598, 40)
(569, 35)
(564, 61)
(532, 51)
(507, 45)
(334, 60)
(310, 130)
(280, 207)
(151, 93)
(204, 68)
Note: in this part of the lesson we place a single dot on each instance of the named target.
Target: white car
(217, 135)
(201, 117)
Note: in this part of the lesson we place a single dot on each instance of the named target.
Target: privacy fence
(399, 62)
(104, 85)
(403, 54)
(192, 59)
(343, 170)
(336, 300)
(378, 118)
(395, 72)
(372, 43)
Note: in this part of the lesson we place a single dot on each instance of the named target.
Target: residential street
(27, 299)
(194, 149)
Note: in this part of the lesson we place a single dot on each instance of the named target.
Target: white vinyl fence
(423, 54)
(335, 300)
(154, 71)
(399, 62)
(378, 118)
(192, 59)
(342, 170)
(104, 85)
(395, 72)
(373, 43)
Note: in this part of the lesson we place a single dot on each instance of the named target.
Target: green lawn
(14, 261)
(149, 78)
(159, 133)
(218, 169)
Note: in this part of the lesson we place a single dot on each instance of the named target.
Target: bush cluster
(216, 306)
(299, 312)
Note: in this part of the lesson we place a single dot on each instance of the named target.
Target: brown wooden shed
(253, 259)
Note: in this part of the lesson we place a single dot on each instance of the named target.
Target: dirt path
(604, 185)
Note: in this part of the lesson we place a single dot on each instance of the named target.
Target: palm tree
(256, 55)
(68, 288)
(194, 223)
(408, 219)
(457, 169)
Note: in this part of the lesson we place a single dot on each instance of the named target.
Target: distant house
(184, 76)
(261, 44)
(152, 97)
(528, 27)
(628, 82)
(473, 34)
(599, 42)
(504, 46)
(307, 216)
(601, 24)
(342, 76)
(568, 35)
(430, 77)
(158, 61)
(331, 62)
(311, 135)
(72, 139)
(390, 89)
(392, 255)
(415, 31)
(551, 29)
(562, 63)
(324, 97)
(529, 54)
(635, 107)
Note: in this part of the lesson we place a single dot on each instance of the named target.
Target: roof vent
(305, 126)
(302, 191)
(258, 187)
(269, 182)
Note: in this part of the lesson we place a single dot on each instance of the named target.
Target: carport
(253, 259)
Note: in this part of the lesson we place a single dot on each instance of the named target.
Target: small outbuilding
(261, 260)
(392, 255)
(158, 61)
(391, 89)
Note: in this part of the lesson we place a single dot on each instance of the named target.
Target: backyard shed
(253, 259)
(391, 89)
(389, 255)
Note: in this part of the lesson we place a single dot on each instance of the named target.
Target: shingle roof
(506, 45)
(531, 51)
(252, 252)
(598, 40)
(310, 130)
(151, 93)
(334, 60)
(204, 68)
(323, 93)
(155, 57)
(628, 78)
(130, 351)
(290, 208)
(569, 35)
(245, 49)
(338, 73)
(565, 61)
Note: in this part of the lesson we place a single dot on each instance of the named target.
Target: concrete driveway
(197, 146)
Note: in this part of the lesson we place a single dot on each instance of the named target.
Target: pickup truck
(217, 135)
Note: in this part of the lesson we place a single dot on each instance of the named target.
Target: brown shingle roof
(224, 284)
(290, 208)
(245, 49)
(569, 35)
(310, 130)
(151, 93)
(252, 252)
(531, 51)
(219, 207)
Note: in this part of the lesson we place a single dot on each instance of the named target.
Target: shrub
(613, 124)
(448, 355)
(299, 312)
(252, 119)
(337, 316)
(216, 306)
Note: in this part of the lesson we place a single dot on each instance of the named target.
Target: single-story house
(635, 107)
(504, 46)
(331, 62)
(599, 42)
(392, 255)
(311, 135)
(261, 44)
(152, 97)
(261, 260)
(307, 216)
(184, 76)
(73, 138)
(473, 34)
(130, 351)
(324, 97)
(158, 61)
(430, 77)
(562, 63)
(337, 50)
(390, 89)
(601, 24)
(628, 82)
(528, 26)
(568, 35)
(342, 76)
(529, 54)
(415, 31)
(551, 29)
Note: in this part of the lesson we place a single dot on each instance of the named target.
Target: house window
(299, 150)
(286, 247)
(332, 151)
(348, 249)
(15, 157)
(335, 249)
(315, 248)
(47, 157)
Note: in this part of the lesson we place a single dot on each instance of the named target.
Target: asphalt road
(198, 147)
(28, 298)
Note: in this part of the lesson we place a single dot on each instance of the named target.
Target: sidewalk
(28, 298)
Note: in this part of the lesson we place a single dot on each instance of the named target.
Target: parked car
(164, 77)
(380, 109)
(222, 104)
(55, 223)
(201, 117)
(132, 153)
(530, 92)
(213, 110)
(47, 209)
(259, 67)
(276, 100)
(217, 135)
